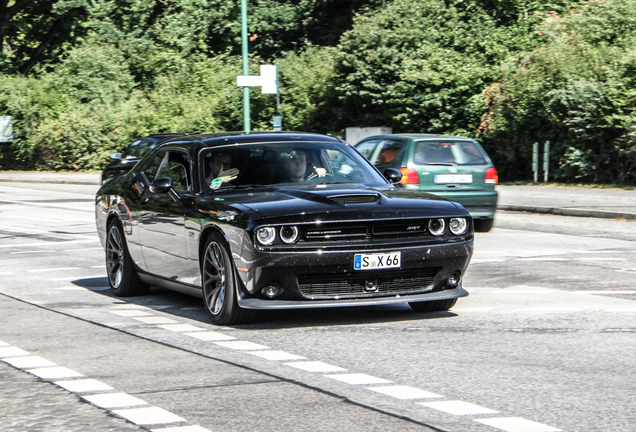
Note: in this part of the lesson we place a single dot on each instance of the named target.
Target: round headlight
(458, 226)
(289, 234)
(436, 226)
(266, 236)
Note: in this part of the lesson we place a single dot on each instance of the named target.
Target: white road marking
(12, 352)
(70, 288)
(129, 306)
(542, 259)
(605, 292)
(517, 424)
(53, 269)
(147, 416)
(315, 366)
(458, 407)
(28, 362)
(404, 392)
(130, 313)
(82, 250)
(39, 244)
(358, 379)
(276, 355)
(54, 372)
(2, 344)
(181, 327)
(182, 429)
(30, 252)
(242, 345)
(114, 400)
(155, 320)
(210, 336)
(83, 385)
(600, 259)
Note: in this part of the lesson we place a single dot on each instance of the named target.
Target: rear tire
(220, 282)
(433, 306)
(122, 276)
(483, 225)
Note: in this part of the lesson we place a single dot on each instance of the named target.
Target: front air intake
(355, 199)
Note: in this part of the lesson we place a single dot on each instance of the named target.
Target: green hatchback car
(453, 167)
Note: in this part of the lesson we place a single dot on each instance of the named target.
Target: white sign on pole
(6, 130)
(269, 74)
(267, 80)
(249, 81)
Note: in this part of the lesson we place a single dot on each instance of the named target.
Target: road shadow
(185, 306)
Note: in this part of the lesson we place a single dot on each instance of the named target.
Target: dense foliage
(83, 78)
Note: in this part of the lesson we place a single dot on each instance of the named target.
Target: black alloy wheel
(433, 306)
(220, 284)
(122, 276)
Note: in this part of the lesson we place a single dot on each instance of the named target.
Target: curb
(569, 212)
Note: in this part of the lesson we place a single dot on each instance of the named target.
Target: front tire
(122, 276)
(433, 306)
(220, 284)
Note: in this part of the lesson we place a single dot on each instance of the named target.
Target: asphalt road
(545, 342)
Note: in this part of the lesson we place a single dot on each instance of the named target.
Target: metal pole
(546, 161)
(246, 90)
(535, 161)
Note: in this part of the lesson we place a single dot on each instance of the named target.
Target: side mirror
(392, 175)
(161, 185)
(116, 156)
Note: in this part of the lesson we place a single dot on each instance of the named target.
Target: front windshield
(285, 164)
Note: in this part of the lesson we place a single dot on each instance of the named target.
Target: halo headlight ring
(289, 234)
(436, 226)
(266, 236)
(458, 226)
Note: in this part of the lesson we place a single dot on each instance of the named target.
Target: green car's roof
(419, 136)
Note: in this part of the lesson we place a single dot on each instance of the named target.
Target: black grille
(354, 199)
(325, 287)
(336, 232)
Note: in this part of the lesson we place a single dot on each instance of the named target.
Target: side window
(176, 166)
(150, 172)
(367, 148)
(389, 152)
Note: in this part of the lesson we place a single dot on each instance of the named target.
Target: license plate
(377, 261)
(453, 178)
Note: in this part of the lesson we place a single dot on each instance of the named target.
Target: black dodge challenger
(279, 220)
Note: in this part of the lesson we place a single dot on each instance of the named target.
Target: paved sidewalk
(560, 200)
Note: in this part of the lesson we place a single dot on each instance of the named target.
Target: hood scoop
(354, 198)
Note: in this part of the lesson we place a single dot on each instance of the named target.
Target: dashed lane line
(379, 385)
(107, 398)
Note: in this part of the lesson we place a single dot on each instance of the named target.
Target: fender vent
(355, 199)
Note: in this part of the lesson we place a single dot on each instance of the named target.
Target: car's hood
(338, 202)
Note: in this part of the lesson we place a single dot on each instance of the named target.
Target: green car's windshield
(267, 164)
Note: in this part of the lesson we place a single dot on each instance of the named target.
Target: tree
(36, 32)
(576, 91)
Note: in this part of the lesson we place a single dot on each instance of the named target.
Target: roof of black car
(223, 138)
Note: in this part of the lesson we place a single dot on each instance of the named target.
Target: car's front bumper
(257, 303)
(423, 276)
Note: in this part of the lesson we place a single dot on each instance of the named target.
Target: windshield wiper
(442, 163)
